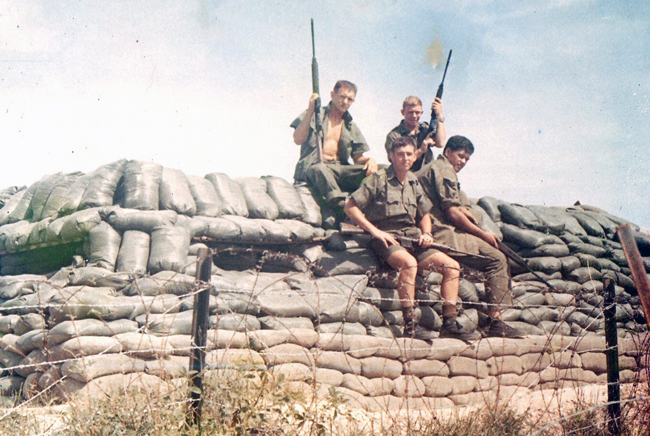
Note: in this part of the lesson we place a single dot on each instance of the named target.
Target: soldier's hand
(425, 240)
(491, 239)
(437, 108)
(311, 107)
(386, 238)
(428, 142)
(371, 166)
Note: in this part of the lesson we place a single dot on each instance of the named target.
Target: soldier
(391, 204)
(342, 140)
(411, 126)
(455, 226)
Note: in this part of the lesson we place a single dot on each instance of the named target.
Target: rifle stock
(315, 90)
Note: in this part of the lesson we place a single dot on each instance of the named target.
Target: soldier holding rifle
(341, 141)
(391, 204)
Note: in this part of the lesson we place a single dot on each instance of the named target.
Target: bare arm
(356, 215)
(425, 226)
(441, 132)
(370, 165)
(464, 220)
(301, 133)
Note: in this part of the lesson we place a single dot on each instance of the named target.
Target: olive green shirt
(389, 204)
(440, 183)
(419, 135)
(352, 142)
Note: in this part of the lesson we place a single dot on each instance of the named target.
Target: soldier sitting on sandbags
(341, 140)
(391, 205)
(455, 226)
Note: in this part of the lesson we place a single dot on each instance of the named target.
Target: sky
(554, 95)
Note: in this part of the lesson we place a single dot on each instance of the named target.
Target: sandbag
(80, 302)
(221, 229)
(250, 230)
(205, 197)
(554, 250)
(141, 185)
(175, 192)
(77, 225)
(96, 276)
(300, 231)
(356, 261)
(88, 368)
(14, 235)
(608, 226)
(230, 194)
(285, 197)
(132, 219)
(42, 192)
(274, 232)
(312, 214)
(102, 185)
(10, 205)
(169, 247)
(75, 193)
(102, 246)
(590, 225)
(134, 252)
(38, 233)
(7, 193)
(550, 218)
(594, 250)
(525, 238)
(20, 211)
(491, 206)
(547, 265)
(519, 216)
(258, 202)
(59, 195)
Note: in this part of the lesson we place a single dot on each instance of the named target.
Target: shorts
(384, 252)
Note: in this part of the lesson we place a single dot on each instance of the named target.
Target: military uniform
(419, 135)
(330, 179)
(440, 182)
(394, 207)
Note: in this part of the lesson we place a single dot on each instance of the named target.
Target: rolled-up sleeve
(447, 187)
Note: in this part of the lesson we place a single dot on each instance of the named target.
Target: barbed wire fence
(381, 373)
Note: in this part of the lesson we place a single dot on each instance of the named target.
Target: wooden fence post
(611, 340)
(199, 334)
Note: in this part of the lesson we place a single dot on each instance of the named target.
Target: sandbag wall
(83, 331)
(139, 217)
(302, 305)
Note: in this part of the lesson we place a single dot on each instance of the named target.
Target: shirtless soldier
(411, 126)
(342, 140)
(391, 204)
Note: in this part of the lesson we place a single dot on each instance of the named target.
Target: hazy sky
(554, 94)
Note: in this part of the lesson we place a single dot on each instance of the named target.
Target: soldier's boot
(412, 329)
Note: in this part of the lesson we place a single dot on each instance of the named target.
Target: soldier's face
(458, 159)
(343, 98)
(412, 116)
(403, 158)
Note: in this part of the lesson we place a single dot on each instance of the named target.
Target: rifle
(315, 90)
(408, 242)
(433, 125)
(521, 262)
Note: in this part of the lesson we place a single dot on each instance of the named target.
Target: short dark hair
(345, 85)
(402, 141)
(459, 143)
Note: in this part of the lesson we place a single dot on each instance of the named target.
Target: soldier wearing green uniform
(411, 126)
(455, 226)
(391, 204)
(342, 140)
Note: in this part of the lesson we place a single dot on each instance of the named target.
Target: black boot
(412, 329)
(452, 329)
